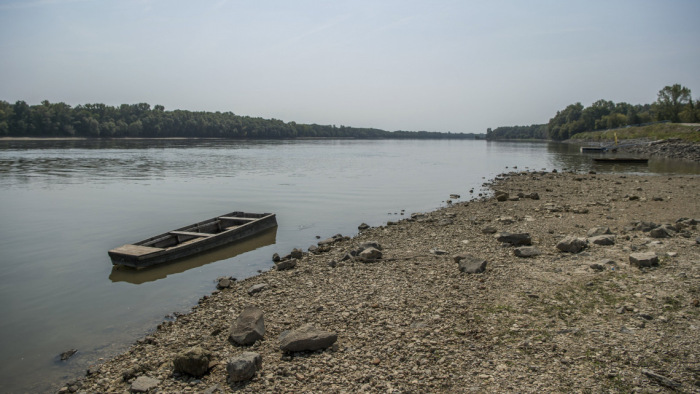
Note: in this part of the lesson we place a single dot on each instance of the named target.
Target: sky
(439, 65)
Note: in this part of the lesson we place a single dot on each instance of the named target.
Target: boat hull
(193, 239)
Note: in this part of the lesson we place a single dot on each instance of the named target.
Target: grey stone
(144, 383)
(256, 288)
(533, 196)
(276, 257)
(363, 226)
(645, 226)
(502, 196)
(595, 231)
(313, 249)
(297, 253)
(370, 254)
(224, 283)
(438, 252)
(572, 244)
(68, 354)
(470, 264)
(604, 240)
(285, 264)
(514, 238)
(489, 230)
(527, 251)
(597, 267)
(243, 366)
(646, 259)
(306, 338)
(370, 244)
(331, 240)
(248, 327)
(193, 361)
(662, 232)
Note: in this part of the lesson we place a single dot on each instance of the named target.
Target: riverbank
(411, 321)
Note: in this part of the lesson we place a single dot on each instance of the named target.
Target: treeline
(673, 104)
(535, 131)
(142, 121)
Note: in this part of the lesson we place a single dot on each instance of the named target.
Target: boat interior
(197, 231)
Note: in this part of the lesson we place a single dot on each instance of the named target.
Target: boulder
(605, 240)
(276, 257)
(248, 327)
(193, 361)
(502, 196)
(224, 283)
(527, 251)
(243, 367)
(489, 230)
(514, 238)
(256, 288)
(470, 264)
(306, 338)
(370, 254)
(595, 231)
(285, 264)
(645, 259)
(363, 226)
(572, 244)
(143, 384)
(297, 253)
(662, 232)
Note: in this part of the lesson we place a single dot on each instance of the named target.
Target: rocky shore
(672, 148)
(560, 282)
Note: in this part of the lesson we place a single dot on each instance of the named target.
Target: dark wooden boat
(192, 239)
(620, 160)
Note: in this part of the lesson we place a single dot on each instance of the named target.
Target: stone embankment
(565, 283)
(670, 148)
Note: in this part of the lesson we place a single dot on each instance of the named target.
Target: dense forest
(141, 121)
(673, 104)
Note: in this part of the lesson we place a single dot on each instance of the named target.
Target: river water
(65, 203)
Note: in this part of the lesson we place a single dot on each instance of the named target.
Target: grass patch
(660, 131)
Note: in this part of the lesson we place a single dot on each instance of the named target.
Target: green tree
(671, 101)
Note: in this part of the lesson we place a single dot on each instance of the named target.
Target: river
(65, 203)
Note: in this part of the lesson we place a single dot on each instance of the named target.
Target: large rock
(572, 244)
(514, 238)
(297, 253)
(502, 196)
(527, 251)
(193, 361)
(306, 338)
(470, 264)
(662, 232)
(370, 254)
(285, 264)
(596, 231)
(243, 366)
(256, 288)
(248, 327)
(605, 240)
(645, 259)
(143, 384)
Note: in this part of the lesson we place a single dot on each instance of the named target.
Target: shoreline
(411, 321)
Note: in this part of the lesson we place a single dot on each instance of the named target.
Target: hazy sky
(438, 65)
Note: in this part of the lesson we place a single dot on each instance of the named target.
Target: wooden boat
(620, 160)
(192, 239)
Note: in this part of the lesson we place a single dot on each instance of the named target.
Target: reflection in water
(138, 276)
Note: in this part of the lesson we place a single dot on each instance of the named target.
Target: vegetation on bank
(661, 131)
(141, 121)
(673, 104)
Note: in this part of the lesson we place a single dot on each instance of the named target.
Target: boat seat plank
(135, 250)
(190, 233)
(237, 218)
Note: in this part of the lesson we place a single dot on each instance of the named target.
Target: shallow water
(65, 203)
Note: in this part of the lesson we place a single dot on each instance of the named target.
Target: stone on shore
(370, 254)
(527, 251)
(489, 230)
(662, 232)
(224, 283)
(572, 244)
(297, 253)
(605, 240)
(248, 327)
(285, 264)
(470, 264)
(256, 288)
(306, 338)
(596, 231)
(143, 384)
(243, 367)
(193, 361)
(645, 259)
(363, 226)
(68, 354)
(514, 238)
(502, 196)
